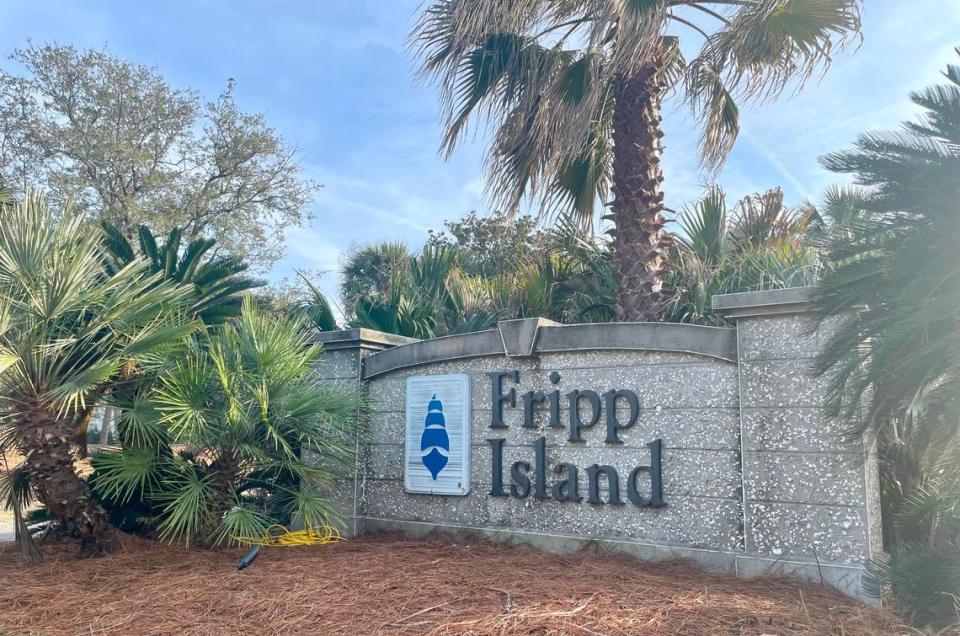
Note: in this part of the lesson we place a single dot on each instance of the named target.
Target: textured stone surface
(712, 429)
(786, 337)
(804, 478)
(343, 363)
(686, 521)
(805, 489)
(685, 472)
(799, 429)
(828, 533)
(617, 359)
(695, 385)
(790, 337)
(781, 383)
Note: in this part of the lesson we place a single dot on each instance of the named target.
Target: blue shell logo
(434, 442)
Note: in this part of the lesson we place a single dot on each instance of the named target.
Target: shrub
(237, 435)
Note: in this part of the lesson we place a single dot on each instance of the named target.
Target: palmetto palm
(893, 282)
(411, 298)
(315, 307)
(575, 87)
(67, 329)
(758, 244)
(369, 270)
(263, 440)
(218, 282)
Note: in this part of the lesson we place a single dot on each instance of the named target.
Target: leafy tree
(264, 440)
(491, 245)
(218, 281)
(892, 288)
(67, 330)
(760, 244)
(575, 88)
(131, 149)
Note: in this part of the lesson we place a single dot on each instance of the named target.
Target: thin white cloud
(777, 164)
(392, 216)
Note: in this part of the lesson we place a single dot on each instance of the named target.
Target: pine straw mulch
(388, 584)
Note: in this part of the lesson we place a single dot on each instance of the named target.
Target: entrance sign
(437, 440)
(655, 439)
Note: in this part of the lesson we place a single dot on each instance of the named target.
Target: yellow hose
(278, 535)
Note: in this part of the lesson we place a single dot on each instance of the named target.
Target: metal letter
(530, 400)
(520, 487)
(576, 424)
(540, 485)
(610, 404)
(496, 488)
(656, 480)
(497, 398)
(593, 484)
(567, 489)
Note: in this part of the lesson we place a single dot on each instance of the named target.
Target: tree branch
(710, 12)
(689, 24)
(554, 27)
(691, 3)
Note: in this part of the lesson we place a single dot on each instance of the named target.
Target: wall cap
(519, 336)
(535, 336)
(793, 300)
(360, 339)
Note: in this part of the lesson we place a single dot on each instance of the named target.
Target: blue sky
(335, 79)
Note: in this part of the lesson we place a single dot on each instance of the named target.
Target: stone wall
(755, 477)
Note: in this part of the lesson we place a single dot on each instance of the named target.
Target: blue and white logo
(437, 438)
(434, 442)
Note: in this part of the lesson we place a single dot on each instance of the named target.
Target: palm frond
(189, 506)
(123, 475)
(241, 525)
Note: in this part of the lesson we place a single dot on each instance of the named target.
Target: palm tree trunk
(45, 443)
(639, 240)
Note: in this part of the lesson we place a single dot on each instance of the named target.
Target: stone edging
(531, 337)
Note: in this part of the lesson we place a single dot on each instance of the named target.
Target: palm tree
(66, 331)
(759, 244)
(575, 90)
(265, 441)
(315, 307)
(412, 298)
(369, 270)
(218, 282)
(893, 287)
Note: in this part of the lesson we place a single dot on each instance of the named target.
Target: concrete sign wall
(656, 439)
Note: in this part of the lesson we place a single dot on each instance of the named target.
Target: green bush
(892, 286)
(237, 434)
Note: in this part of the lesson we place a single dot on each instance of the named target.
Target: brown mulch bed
(390, 584)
